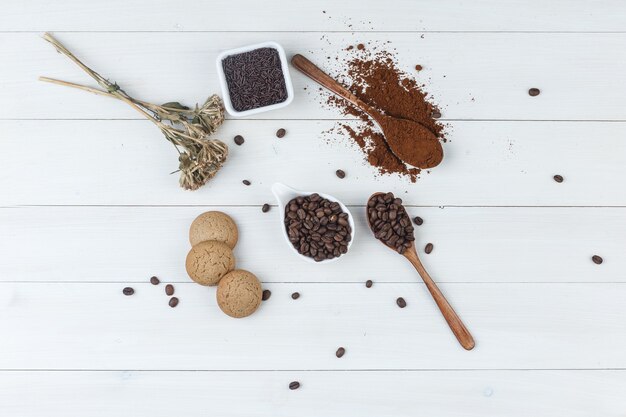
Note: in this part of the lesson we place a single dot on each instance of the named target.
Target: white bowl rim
(281, 207)
(224, 85)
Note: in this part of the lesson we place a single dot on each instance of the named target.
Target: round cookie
(239, 293)
(213, 225)
(207, 262)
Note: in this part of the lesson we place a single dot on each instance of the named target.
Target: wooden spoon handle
(316, 74)
(454, 321)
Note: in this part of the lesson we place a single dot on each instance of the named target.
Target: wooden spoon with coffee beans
(390, 224)
(408, 140)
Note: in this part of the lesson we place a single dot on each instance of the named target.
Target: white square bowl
(226, 93)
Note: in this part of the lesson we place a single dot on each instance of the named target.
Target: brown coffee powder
(375, 78)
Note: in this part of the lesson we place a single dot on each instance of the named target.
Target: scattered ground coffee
(375, 78)
(317, 227)
(389, 221)
(255, 79)
(154, 281)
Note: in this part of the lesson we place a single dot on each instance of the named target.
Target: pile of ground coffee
(375, 78)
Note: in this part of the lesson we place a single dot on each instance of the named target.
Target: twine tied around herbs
(187, 129)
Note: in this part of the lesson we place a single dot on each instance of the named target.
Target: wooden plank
(351, 15)
(129, 162)
(471, 75)
(130, 244)
(517, 326)
(478, 394)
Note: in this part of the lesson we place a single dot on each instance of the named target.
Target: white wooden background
(87, 207)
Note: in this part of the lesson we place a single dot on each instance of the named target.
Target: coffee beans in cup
(317, 227)
(390, 222)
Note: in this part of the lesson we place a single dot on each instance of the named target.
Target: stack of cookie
(213, 236)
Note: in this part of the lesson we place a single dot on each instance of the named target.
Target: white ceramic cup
(226, 93)
(284, 194)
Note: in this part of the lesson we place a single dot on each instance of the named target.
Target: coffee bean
(294, 385)
(266, 207)
(340, 173)
(239, 140)
(154, 281)
(317, 227)
(389, 221)
(295, 295)
(436, 114)
(246, 182)
(266, 295)
(401, 303)
(340, 352)
(169, 289)
(280, 133)
(418, 220)
(128, 291)
(534, 92)
(173, 302)
(369, 283)
(428, 248)
(558, 178)
(597, 259)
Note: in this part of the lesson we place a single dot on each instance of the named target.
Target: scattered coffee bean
(534, 92)
(317, 227)
(340, 173)
(401, 303)
(266, 295)
(295, 295)
(597, 259)
(280, 133)
(128, 291)
(429, 248)
(340, 352)
(246, 182)
(418, 68)
(436, 114)
(369, 283)
(154, 281)
(558, 178)
(169, 289)
(266, 207)
(389, 222)
(418, 220)
(239, 140)
(294, 385)
(173, 302)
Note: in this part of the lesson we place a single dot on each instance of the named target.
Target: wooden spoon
(454, 321)
(408, 140)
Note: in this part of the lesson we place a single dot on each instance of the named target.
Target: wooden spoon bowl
(454, 321)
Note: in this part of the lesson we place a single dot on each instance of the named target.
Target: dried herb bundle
(187, 129)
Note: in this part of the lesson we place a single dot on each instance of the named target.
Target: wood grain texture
(516, 326)
(255, 394)
(346, 15)
(470, 75)
(130, 244)
(493, 164)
